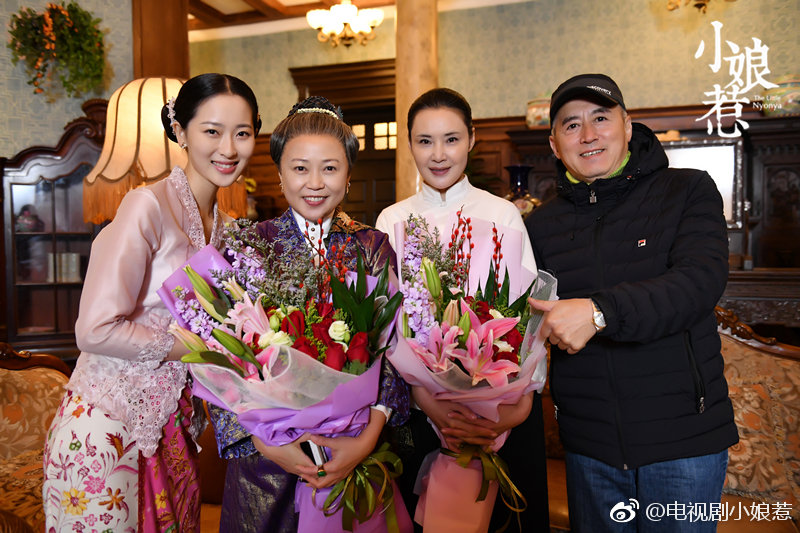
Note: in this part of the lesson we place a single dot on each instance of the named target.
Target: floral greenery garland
(64, 40)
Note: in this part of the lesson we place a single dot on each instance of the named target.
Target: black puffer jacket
(650, 246)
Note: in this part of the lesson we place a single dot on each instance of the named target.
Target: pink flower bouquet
(480, 351)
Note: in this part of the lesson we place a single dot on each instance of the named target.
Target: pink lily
(477, 358)
(498, 326)
(441, 348)
(248, 316)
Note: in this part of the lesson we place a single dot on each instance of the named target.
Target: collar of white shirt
(456, 193)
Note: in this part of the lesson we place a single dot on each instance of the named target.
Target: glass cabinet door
(50, 245)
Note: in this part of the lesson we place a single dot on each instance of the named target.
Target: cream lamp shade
(136, 150)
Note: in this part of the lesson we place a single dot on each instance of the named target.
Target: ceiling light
(344, 23)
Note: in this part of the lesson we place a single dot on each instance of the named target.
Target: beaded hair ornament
(317, 104)
(171, 115)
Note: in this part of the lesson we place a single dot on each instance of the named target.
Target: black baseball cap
(592, 87)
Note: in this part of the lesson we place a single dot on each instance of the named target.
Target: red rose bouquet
(297, 351)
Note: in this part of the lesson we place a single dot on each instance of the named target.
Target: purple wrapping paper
(313, 520)
(344, 413)
(207, 259)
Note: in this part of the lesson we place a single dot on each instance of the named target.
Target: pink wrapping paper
(448, 491)
(447, 502)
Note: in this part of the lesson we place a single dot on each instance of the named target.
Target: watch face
(599, 320)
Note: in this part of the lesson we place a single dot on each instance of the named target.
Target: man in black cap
(641, 255)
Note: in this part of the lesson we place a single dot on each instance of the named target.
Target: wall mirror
(722, 159)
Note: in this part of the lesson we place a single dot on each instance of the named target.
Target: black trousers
(523, 451)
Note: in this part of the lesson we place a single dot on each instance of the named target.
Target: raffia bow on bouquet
(292, 354)
(480, 351)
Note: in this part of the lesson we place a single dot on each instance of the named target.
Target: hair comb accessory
(317, 104)
(318, 110)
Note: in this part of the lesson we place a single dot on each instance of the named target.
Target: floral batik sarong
(90, 471)
(169, 498)
(93, 472)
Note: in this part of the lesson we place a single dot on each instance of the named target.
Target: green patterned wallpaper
(502, 56)
(27, 119)
(263, 61)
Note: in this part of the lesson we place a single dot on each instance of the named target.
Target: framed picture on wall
(722, 159)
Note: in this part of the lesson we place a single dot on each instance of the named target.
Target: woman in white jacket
(441, 136)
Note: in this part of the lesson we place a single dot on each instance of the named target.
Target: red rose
(320, 331)
(482, 310)
(294, 324)
(359, 348)
(305, 346)
(325, 310)
(514, 338)
(508, 356)
(334, 356)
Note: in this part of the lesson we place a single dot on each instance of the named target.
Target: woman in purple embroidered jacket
(314, 151)
(120, 455)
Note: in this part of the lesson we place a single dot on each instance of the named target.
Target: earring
(281, 185)
(183, 146)
(347, 190)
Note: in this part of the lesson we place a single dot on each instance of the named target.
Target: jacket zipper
(699, 387)
(609, 362)
(617, 413)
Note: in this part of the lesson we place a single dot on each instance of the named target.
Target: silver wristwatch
(598, 320)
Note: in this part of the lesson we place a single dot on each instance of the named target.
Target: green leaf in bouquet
(502, 298)
(208, 357)
(490, 287)
(215, 305)
(364, 314)
(382, 286)
(384, 317)
(479, 293)
(361, 277)
(343, 298)
(520, 305)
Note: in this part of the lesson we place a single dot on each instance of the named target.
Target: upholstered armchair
(31, 388)
(762, 486)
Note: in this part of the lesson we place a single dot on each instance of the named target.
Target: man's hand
(567, 323)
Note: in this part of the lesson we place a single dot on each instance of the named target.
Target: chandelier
(701, 5)
(345, 23)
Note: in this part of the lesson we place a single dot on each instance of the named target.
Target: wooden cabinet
(46, 242)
